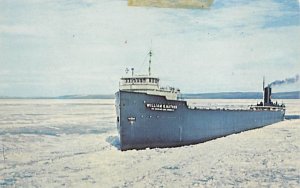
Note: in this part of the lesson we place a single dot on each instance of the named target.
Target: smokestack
(267, 96)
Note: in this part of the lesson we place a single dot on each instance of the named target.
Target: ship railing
(220, 107)
(170, 89)
(273, 108)
(236, 108)
(223, 109)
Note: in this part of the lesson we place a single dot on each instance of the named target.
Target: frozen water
(74, 143)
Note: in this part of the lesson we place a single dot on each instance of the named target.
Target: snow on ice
(74, 143)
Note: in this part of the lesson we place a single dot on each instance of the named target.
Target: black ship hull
(149, 121)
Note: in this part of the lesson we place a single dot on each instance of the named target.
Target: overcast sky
(62, 47)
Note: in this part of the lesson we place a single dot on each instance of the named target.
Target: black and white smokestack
(267, 96)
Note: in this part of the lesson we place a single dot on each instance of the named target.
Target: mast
(263, 90)
(149, 70)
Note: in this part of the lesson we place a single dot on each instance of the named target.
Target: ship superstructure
(147, 84)
(150, 116)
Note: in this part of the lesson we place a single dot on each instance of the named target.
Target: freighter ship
(150, 116)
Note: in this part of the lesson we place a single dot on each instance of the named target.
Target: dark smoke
(286, 81)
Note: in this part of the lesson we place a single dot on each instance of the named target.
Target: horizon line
(108, 96)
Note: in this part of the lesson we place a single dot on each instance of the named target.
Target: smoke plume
(286, 81)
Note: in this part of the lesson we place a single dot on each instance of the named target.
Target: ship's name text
(161, 107)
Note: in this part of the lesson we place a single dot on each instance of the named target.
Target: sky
(64, 47)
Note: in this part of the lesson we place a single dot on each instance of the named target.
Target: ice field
(74, 143)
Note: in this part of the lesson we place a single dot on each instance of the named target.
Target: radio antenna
(149, 70)
(150, 55)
